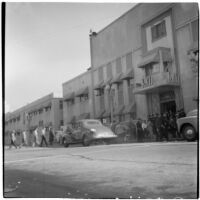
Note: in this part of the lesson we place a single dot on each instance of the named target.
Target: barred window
(158, 31)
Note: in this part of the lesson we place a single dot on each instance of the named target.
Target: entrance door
(167, 106)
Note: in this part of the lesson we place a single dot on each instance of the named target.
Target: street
(135, 170)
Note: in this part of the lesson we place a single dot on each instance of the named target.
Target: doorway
(167, 106)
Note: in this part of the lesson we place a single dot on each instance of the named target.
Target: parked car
(87, 131)
(187, 126)
(126, 130)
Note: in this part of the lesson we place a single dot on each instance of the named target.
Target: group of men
(165, 124)
(39, 136)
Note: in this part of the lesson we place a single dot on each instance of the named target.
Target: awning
(128, 75)
(47, 105)
(69, 96)
(82, 92)
(99, 85)
(193, 47)
(106, 114)
(84, 116)
(106, 82)
(152, 58)
(131, 108)
(117, 79)
(119, 110)
(100, 114)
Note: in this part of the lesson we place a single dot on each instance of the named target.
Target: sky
(47, 44)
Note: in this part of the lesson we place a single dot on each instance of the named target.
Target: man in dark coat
(51, 136)
(139, 130)
(164, 127)
(158, 127)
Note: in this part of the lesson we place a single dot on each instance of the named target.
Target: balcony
(157, 81)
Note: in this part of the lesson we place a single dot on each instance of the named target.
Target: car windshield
(93, 123)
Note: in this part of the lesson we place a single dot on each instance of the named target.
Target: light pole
(111, 93)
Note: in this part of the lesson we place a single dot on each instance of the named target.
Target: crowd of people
(35, 138)
(158, 127)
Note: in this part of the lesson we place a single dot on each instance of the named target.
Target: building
(77, 98)
(146, 62)
(46, 111)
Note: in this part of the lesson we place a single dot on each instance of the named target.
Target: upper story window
(195, 30)
(70, 102)
(84, 98)
(60, 105)
(158, 31)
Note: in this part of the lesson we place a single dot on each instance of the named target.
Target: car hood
(102, 130)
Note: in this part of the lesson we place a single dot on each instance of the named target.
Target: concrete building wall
(78, 108)
(132, 33)
(44, 111)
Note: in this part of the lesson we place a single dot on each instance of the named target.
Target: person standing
(24, 138)
(139, 130)
(43, 137)
(144, 130)
(164, 127)
(158, 127)
(51, 136)
(13, 139)
(35, 137)
(150, 129)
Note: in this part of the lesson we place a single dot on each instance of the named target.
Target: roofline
(134, 7)
(29, 104)
(76, 77)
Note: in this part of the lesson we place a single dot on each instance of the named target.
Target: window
(61, 105)
(99, 92)
(40, 123)
(195, 30)
(109, 70)
(120, 94)
(71, 102)
(48, 108)
(118, 65)
(149, 70)
(158, 31)
(129, 61)
(84, 98)
(61, 123)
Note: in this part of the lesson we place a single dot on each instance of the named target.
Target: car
(126, 130)
(87, 131)
(187, 126)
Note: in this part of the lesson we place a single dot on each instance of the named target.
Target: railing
(160, 79)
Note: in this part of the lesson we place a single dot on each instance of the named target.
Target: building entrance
(168, 106)
(167, 102)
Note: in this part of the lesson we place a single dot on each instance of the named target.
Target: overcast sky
(48, 44)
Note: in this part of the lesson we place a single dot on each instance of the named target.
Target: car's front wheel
(86, 140)
(189, 133)
(65, 143)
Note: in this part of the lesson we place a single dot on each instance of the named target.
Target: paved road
(146, 170)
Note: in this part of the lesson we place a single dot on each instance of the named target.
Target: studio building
(44, 112)
(146, 62)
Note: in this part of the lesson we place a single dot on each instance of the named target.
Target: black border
(3, 20)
